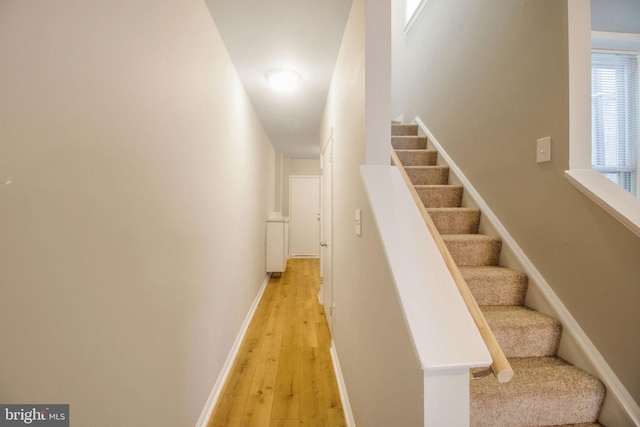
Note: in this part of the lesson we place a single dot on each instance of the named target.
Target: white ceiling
(304, 35)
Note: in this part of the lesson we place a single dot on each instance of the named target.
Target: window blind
(615, 117)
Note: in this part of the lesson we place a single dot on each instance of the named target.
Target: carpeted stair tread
(495, 285)
(455, 220)
(426, 175)
(409, 142)
(521, 363)
(417, 157)
(580, 425)
(440, 196)
(544, 391)
(473, 249)
(523, 332)
(404, 129)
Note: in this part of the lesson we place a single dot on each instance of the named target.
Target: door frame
(326, 296)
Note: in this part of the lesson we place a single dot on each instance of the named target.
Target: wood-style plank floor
(283, 375)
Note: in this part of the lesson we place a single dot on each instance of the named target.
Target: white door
(304, 212)
(326, 248)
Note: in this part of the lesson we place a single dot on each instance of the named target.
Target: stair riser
(475, 252)
(441, 196)
(544, 391)
(549, 404)
(403, 129)
(529, 341)
(456, 221)
(428, 175)
(498, 293)
(409, 142)
(532, 412)
(496, 286)
(417, 157)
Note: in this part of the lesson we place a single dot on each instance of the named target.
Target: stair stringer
(618, 408)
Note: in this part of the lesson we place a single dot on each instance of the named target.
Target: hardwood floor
(283, 375)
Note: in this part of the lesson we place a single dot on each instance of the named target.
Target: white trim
(581, 42)
(408, 245)
(617, 51)
(617, 44)
(619, 203)
(228, 364)
(342, 387)
(601, 367)
(280, 175)
(579, 29)
(610, 35)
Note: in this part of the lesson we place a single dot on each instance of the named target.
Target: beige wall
(381, 371)
(131, 228)
(489, 78)
(291, 166)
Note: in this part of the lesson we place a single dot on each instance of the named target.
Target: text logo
(34, 415)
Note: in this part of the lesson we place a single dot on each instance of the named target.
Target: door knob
(323, 243)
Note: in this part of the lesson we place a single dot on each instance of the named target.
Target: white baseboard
(602, 369)
(342, 388)
(228, 364)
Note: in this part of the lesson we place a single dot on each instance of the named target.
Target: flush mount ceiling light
(282, 80)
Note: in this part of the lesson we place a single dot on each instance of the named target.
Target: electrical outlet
(543, 150)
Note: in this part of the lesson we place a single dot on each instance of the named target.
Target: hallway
(283, 374)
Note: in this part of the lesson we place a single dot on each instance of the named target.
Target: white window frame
(612, 43)
(622, 205)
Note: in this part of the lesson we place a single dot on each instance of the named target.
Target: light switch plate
(543, 150)
(358, 219)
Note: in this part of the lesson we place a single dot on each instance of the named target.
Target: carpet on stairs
(545, 390)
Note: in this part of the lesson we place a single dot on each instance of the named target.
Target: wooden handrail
(500, 366)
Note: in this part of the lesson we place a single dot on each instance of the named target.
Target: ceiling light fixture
(283, 80)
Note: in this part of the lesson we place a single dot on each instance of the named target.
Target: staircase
(545, 389)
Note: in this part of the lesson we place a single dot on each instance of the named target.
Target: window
(615, 116)
(619, 203)
(412, 9)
